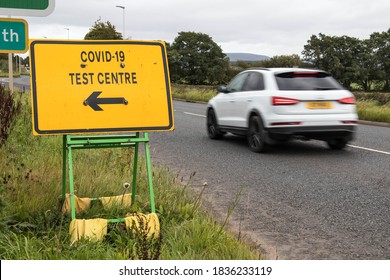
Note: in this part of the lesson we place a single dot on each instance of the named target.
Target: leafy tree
(283, 61)
(243, 64)
(194, 58)
(380, 43)
(103, 31)
(26, 60)
(351, 60)
(277, 61)
(367, 71)
(320, 51)
(341, 56)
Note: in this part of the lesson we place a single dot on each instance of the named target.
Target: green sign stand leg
(150, 176)
(71, 185)
(64, 153)
(135, 170)
(105, 141)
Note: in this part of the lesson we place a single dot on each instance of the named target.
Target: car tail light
(349, 122)
(286, 123)
(348, 100)
(305, 74)
(276, 101)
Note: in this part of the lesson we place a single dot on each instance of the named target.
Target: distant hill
(234, 57)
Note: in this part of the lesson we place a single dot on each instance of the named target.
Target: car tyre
(337, 144)
(212, 126)
(255, 135)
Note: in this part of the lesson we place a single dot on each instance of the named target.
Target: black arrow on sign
(93, 101)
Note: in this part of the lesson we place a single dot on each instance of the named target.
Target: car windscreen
(306, 81)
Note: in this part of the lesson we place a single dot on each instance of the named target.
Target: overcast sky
(267, 27)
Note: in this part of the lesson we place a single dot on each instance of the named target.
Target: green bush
(9, 109)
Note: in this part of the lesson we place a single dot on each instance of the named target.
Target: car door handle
(232, 101)
(249, 100)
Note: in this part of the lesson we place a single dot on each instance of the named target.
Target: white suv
(277, 104)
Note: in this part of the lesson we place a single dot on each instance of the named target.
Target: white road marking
(192, 114)
(368, 149)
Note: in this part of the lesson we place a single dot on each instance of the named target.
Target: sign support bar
(71, 143)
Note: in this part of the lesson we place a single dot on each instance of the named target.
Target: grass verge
(370, 110)
(193, 93)
(32, 226)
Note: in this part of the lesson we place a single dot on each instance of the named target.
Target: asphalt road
(22, 82)
(301, 200)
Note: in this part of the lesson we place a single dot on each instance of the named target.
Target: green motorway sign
(26, 7)
(13, 35)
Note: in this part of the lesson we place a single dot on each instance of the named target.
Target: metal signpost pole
(124, 24)
(10, 74)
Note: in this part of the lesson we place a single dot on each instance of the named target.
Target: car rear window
(306, 81)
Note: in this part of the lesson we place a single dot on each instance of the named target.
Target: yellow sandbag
(119, 200)
(92, 229)
(80, 204)
(144, 223)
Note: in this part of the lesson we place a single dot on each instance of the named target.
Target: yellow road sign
(100, 86)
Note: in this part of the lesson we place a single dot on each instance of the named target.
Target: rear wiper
(325, 88)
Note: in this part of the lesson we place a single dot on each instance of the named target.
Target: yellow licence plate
(319, 105)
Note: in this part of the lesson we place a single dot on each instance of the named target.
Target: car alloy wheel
(337, 144)
(212, 126)
(255, 135)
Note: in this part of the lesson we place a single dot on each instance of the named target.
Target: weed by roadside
(9, 109)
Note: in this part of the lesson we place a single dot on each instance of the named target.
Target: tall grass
(381, 98)
(193, 93)
(32, 226)
(372, 111)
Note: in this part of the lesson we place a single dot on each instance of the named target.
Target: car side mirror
(222, 89)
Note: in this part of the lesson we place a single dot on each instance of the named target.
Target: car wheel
(256, 135)
(212, 125)
(337, 144)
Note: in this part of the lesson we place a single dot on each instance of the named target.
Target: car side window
(255, 81)
(237, 82)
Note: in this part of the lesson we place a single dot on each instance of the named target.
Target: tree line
(194, 58)
(16, 61)
(351, 60)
